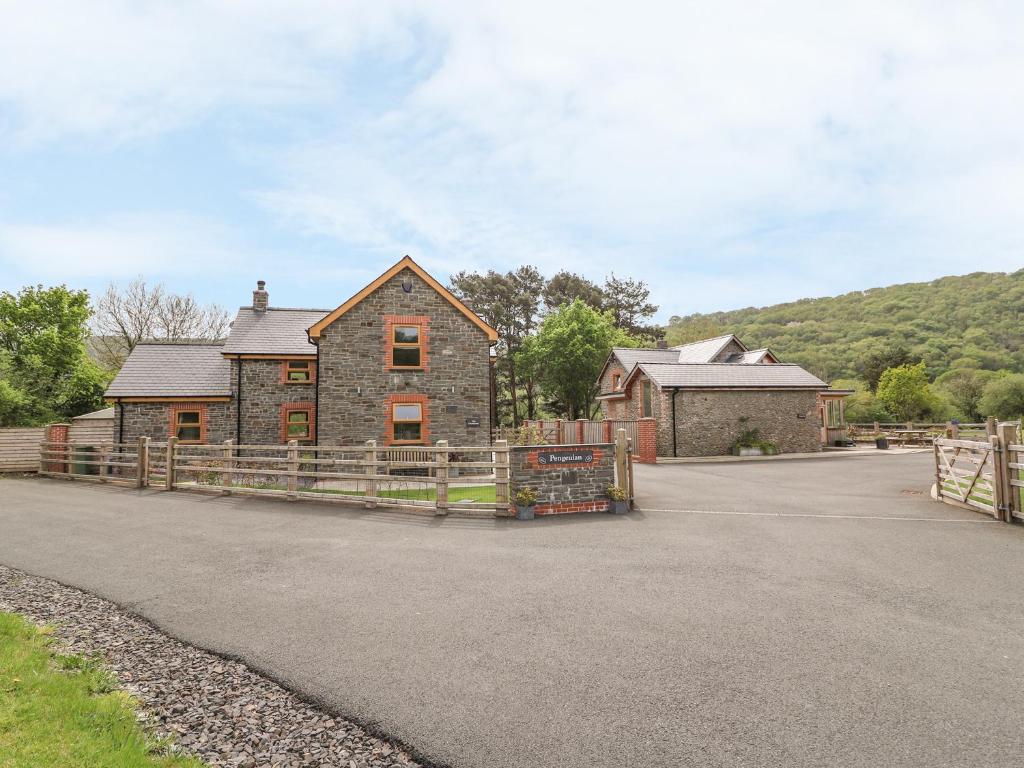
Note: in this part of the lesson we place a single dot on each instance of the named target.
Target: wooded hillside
(969, 321)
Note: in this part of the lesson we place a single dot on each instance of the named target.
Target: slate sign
(559, 458)
(472, 423)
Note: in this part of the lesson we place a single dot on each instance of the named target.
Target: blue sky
(730, 154)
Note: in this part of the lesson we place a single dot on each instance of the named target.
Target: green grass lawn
(481, 493)
(65, 710)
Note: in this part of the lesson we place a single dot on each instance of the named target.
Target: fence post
(607, 430)
(229, 466)
(293, 468)
(172, 458)
(877, 428)
(990, 426)
(441, 462)
(1006, 433)
(579, 432)
(370, 459)
(142, 463)
(629, 464)
(937, 449)
(501, 477)
(620, 458)
(104, 464)
(559, 437)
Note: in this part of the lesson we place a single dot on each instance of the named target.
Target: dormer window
(616, 381)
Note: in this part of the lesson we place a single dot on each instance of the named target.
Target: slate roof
(173, 370)
(750, 357)
(703, 351)
(276, 331)
(696, 375)
(629, 356)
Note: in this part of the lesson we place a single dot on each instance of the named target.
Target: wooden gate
(966, 475)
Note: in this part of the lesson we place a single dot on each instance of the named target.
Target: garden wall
(565, 478)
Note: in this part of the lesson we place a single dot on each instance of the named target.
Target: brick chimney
(662, 344)
(260, 297)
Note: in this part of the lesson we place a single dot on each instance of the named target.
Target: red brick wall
(56, 433)
(647, 437)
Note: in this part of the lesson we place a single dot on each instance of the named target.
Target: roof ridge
(791, 365)
(288, 309)
(175, 343)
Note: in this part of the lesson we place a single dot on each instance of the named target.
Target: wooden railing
(981, 475)
(567, 431)
(438, 478)
(112, 462)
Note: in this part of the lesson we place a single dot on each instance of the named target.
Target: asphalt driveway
(799, 613)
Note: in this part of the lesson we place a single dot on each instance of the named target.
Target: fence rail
(568, 432)
(984, 476)
(470, 480)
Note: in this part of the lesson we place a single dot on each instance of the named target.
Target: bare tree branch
(123, 317)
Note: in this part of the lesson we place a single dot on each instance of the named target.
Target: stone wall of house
(355, 381)
(153, 420)
(263, 394)
(709, 422)
(566, 487)
(612, 409)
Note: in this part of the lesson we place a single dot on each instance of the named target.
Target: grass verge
(65, 711)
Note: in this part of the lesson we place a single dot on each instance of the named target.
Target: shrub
(525, 497)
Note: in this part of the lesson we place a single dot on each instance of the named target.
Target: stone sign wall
(566, 479)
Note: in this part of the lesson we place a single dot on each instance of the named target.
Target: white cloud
(728, 153)
(121, 247)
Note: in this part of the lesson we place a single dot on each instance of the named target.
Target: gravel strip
(216, 709)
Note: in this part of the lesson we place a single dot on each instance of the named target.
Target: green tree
(43, 364)
(565, 287)
(628, 303)
(872, 365)
(1003, 397)
(509, 303)
(905, 392)
(964, 387)
(862, 407)
(568, 352)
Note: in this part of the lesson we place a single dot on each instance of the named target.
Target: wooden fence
(898, 431)
(19, 446)
(568, 432)
(983, 476)
(473, 481)
(19, 449)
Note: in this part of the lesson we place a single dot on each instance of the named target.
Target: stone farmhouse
(703, 396)
(402, 362)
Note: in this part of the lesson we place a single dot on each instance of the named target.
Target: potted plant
(524, 500)
(750, 443)
(881, 441)
(620, 502)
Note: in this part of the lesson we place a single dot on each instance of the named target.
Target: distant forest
(972, 321)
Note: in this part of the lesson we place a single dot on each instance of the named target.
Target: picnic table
(910, 435)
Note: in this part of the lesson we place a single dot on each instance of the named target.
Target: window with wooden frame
(297, 422)
(187, 425)
(646, 397)
(406, 346)
(298, 371)
(407, 422)
(616, 381)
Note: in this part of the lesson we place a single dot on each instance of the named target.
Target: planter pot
(881, 443)
(619, 507)
(524, 513)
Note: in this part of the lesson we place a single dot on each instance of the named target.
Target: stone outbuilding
(402, 362)
(705, 396)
